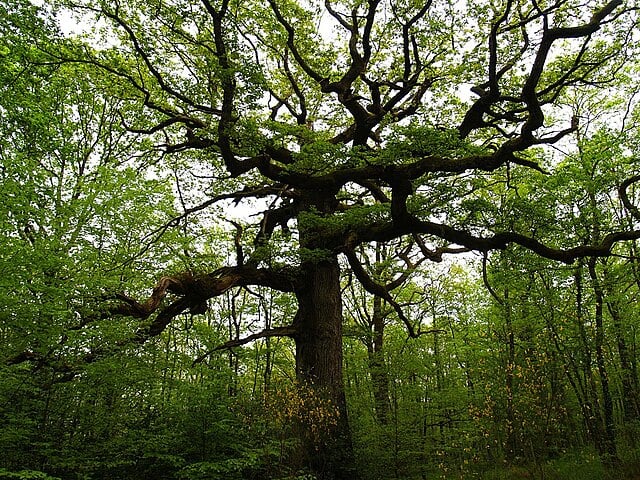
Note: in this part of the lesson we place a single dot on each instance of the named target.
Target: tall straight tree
(350, 122)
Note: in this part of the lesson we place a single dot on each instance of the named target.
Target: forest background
(402, 245)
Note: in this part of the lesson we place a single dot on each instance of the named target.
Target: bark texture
(318, 338)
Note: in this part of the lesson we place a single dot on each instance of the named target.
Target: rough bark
(318, 339)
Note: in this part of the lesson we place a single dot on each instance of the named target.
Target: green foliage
(418, 140)
(230, 468)
(25, 475)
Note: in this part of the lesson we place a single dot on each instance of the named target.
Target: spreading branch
(193, 292)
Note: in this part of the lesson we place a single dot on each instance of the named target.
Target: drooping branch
(191, 294)
(499, 241)
(166, 315)
(133, 308)
(286, 331)
(568, 256)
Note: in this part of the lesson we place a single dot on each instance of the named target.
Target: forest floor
(585, 465)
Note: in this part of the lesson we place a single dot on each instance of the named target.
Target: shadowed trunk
(319, 366)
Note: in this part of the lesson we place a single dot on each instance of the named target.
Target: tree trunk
(319, 368)
(593, 417)
(510, 441)
(611, 455)
(630, 405)
(377, 367)
(629, 387)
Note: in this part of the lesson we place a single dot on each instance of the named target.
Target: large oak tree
(346, 123)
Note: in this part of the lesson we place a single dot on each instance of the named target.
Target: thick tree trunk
(319, 369)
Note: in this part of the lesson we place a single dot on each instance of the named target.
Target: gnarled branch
(194, 291)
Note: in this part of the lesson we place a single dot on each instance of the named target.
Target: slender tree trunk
(629, 387)
(571, 368)
(319, 367)
(592, 404)
(378, 370)
(609, 427)
(439, 372)
(510, 443)
(234, 334)
(630, 406)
